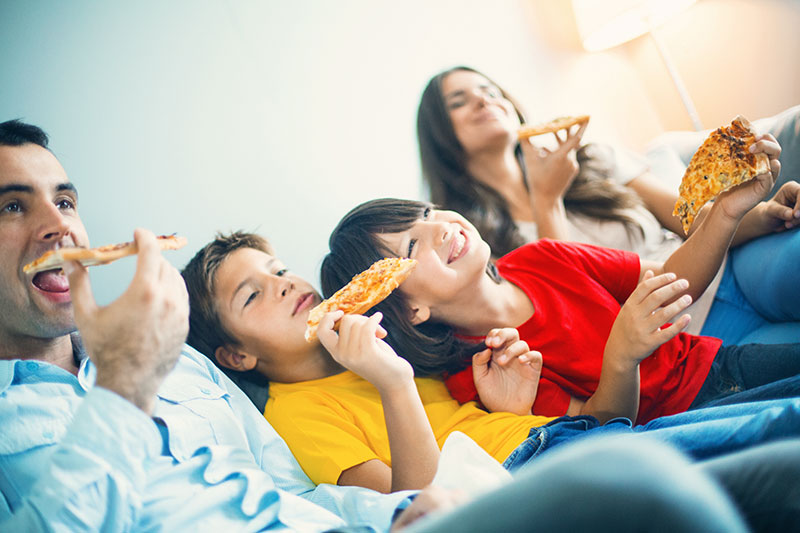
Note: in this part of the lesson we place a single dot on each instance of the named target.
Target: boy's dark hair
(206, 332)
(16, 133)
(431, 347)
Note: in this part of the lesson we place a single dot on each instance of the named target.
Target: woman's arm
(415, 453)
(550, 173)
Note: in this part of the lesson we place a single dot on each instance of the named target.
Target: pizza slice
(102, 255)
(551, 126)
(722, 161)
(363, 292)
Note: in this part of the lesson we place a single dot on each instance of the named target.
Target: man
(147, 436)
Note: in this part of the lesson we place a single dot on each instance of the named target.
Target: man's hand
(507, 373)
(427, 501)
(637, 330)
(135, 341)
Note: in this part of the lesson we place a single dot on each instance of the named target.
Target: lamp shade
(608, 23)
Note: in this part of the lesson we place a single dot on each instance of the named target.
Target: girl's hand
(638, 328)
(550, 173)
(738, 200)
(358, 347)
(507, 373)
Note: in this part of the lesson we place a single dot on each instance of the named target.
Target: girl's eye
(411, 246)
(282, 272)
(426, 213)
(251, 298)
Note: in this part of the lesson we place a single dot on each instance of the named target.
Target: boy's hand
(740, 199)
(358, 346)
(507, 373)
(637, 330)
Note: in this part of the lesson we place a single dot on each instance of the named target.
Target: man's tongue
(51, 281)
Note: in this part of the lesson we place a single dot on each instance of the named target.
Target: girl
(563, 298)
(515, 193)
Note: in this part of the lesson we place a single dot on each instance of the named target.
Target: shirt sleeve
(95, 477)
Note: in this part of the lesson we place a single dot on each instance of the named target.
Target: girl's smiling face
(451, 257)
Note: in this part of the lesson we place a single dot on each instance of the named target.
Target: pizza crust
(364, 291)
(551, 126)
(722, 161)
(96, 256)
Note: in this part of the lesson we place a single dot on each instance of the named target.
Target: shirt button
(48, 434)
(32, 366)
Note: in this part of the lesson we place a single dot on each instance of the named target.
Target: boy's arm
(414, 451)
(637, 331)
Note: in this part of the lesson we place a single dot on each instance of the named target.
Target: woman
(515, 193)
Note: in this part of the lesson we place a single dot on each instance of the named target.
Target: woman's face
(480, 114)
(451, 256)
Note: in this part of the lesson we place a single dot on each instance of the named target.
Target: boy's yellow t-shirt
(334, 423)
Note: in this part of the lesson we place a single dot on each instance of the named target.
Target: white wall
(193, 116)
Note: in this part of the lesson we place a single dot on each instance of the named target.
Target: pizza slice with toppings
(363, 292)
(722, 161)
(550, 126)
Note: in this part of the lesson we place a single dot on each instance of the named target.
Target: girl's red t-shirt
(577, 291)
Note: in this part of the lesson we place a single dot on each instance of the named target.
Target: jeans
(750, 373)
(702, 433)
(607, 484)
(758, 300)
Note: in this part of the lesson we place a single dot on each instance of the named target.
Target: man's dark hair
(16, 133)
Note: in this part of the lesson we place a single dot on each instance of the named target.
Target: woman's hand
(359, 347)
(550, 173)
(507, 373)
(782, 211)
(639, 327)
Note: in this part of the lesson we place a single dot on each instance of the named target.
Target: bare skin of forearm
(661, 203)
(551, 220)
(700, 257)
(415, 453)
(617, 394)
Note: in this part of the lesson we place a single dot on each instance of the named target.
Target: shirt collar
(86, 371)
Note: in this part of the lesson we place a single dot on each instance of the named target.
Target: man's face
(38, 212)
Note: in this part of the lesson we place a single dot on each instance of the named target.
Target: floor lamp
(608, 23)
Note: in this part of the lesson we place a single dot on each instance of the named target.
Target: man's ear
(420, 313)
(234, 359)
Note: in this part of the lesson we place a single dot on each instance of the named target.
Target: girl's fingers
(665, 293)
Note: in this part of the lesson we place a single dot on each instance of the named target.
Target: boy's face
(264, 307)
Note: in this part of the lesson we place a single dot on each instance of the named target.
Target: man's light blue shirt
(74, 457)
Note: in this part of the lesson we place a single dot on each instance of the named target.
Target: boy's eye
(251, 298)
(282, 272)
(12, 207)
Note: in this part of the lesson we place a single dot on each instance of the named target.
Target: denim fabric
(701, 433)
(750, 373)
(757, 300)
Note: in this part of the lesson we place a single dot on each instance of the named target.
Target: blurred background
(194, 116)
